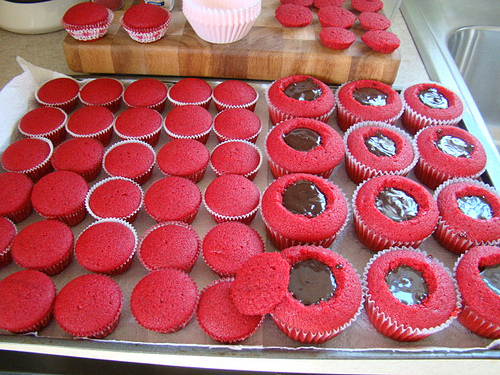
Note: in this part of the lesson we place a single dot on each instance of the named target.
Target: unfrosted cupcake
(236, 157)
(8, 231)
(89, 306)
(146, 23)
(59, 92)
(29, 156)
(15, 196)
(164, 301)
(87, 21)
(476, 274)
(104, 92)
(91, 122)
(47, 122)
(376, 148)
(106, 246)
(141, 123)
(172, 244)
(234, 94)
(26, 301)
(189, 122)
(237, 123)
(45, 246)
(190, 91)
(409, 295)
(146, 92)
(469, 215)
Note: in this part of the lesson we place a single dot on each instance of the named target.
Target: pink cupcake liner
(245, 219)
(220, 106)
(103, 136)
(250, 175)
(147, 35)
(113, 105)
(91, 32)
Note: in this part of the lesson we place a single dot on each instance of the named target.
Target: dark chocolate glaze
(396, 205)
(380, 145)
(491, 277)
(370, 96)
(304, 198)
(433, 99)
(454, 146)
(302, 139)
(475, 207)
(407, 285)
(311, 282)
(306, 90)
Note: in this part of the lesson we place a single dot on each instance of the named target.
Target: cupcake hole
(311, 282)
(491, 277)
(407, 285)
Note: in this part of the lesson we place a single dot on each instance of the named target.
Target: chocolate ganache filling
(370, 96)
(433, 99)
(304, 198)
(380, 145)
(407, 285)
(302, 139)
(475, 207)
(491, 277)
(306, 90)
(454, 146)
(396, 205)
(311, 282)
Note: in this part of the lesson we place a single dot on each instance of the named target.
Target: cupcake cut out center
(491, 277)
(407, 285)
(380, 145)
(432, 98)
(306, 90)
(311, 282)
(304, 198)
(454, 146)
(476, 207)
(302, 139)
(370, 96)
(396, 204)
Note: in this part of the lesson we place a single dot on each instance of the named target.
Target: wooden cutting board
(269, 51)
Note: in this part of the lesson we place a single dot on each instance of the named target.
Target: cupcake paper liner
(89, 32)
(188, 219)
(221, 138)
(113, 105)
(42, 323)
(21, 214)
(58, 267)
(250, 175)
(205, 104)
(201, 137)
(245, 219)
(71, 218)
(56, 136)
(103, 136)
(147, 35)
(220, 106)
(151, 138)
(6, 255)
(66, 106)
(38, 171)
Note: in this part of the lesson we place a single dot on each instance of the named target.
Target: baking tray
(272, 349)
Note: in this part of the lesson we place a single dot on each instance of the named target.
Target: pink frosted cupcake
(26, 301)
(237, 123)
(59, 92)
(189, 122)
(146, 92)
(29, 156)
(47, 122)
(114, 197)
(141, 123)
(15, 196)
(91, 122)
(87, 21)
(146, 23)
(236, 157)
(234, 94)
(131, 159)
(8, 231)
(103, 92)
(190, 91)
(89, 306)
(172, 244)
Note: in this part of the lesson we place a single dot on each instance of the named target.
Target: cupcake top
(188, 121)
(42, 121)
(293, 15)
(58, 91)
(236, 157)
(145, 92)
(129, 159)
(374, 21)
(137, 122)
(234, 93)
(79, 155)
(84, 14)
(145, 16)
(336, 38)
(324, 3)
(183, 157)
(382, 41)
(190, 91)
(101, 91)
(173, 244)
(336, 16)
(26, 155)
(367, 5)
(237, 123)
(26, 301)
(89, 306)
(15, 192)
(89, 120)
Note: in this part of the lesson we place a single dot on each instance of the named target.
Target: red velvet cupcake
(87, 21)
(45, 246)
(89, 306)
(8, 231)
(469, 215)
(59, 92)
(218, 317)
(228, 245)
(146, 23)
(336, 17)
(131, 159)
(448, 152)
(15, 196)
(172, 244)
(303, 145)
(376, 148)
(104, 92)
(427, 104)
(409, 295)
(381, 41)
(237, 123)
(393, 211)
(80, 155)
(232, 197)
(47, 122)
(106, 246)
(336, 38)
(367, 100)
(60, 196)
(173, 199)
(299, 96)
(141, 123)
(236, 157)
(26, 301)
(91, 122)
(190, 91)
(292, 15)
(234, 94)
(146, 92)
(165, 300)
(189, 122)
(476, 273)
(114, 197)
(324, 295)
(303, 209)
(29, 156)
(186, 158)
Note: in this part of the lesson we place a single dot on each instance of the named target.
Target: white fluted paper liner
(91, 32)
(452, 239)
(128, 218)
(150, 138)
(6, 255)
(201, 137)
(220, 106)
(222, 138)
(251, 174)
(147, 35)
(359, 172)
(55, 135)
(113, 105)
(221, 21)
(245, 219)
(40, 170)
(103, 136)
(176, 103)
(389, 326)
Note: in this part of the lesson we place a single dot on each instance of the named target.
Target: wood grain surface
(269, 51)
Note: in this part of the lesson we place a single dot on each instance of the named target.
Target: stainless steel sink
(459, 42)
